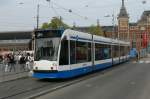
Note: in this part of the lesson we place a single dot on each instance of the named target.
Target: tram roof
(87, 36)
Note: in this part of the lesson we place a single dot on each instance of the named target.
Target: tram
(69, 53)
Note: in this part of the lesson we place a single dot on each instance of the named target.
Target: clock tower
(123, 23)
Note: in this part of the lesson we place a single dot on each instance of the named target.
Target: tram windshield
(46, 45)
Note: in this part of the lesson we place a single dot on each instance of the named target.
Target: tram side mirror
(39, 35)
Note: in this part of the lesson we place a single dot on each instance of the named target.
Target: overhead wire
(69, 10)
(55, 6)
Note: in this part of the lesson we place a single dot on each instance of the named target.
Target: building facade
(140, 34)
(16, 41)
(123, 23)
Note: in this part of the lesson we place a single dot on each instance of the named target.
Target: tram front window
(46, 45)
(47, 49)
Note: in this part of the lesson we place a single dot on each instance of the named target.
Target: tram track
(86, 77)
(31, 88)
(14, 89)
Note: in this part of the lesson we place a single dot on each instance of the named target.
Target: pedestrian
(12, 62)
(28, 61)
(5, 62)
(22, 62)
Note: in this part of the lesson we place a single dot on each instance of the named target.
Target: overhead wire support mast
(113, 31)
(38, 9)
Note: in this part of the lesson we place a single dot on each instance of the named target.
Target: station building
(138, 33)
(16, 41)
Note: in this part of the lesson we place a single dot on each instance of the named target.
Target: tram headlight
(51, 68)
(54, 64)
(36, 68)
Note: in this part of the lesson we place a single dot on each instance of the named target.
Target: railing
(14, 71)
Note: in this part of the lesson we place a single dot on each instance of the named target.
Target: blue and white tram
(69, 53)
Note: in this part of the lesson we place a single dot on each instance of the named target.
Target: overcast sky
(20, 14)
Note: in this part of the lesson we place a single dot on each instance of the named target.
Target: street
(129, 81)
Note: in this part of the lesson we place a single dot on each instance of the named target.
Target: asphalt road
(24, 87)
(129, 81)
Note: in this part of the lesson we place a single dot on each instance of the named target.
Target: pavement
(8, 76)
(143, 60)
(127, 81)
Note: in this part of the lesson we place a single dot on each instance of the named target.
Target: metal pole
(112, 48)
(38, 10)
(147, 36)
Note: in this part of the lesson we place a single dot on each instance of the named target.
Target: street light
(38, 10)
(112, 34)
(113, 24)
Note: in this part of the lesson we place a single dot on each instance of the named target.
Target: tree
(96, 30)
(56, 23)
(45, 26)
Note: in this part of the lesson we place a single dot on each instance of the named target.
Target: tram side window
(106, 52)
(64, 53)
(72, 52)
(122, 51)
(81, 52)
(116, 51)
(126, 50)
(89, 52)
(98, 52)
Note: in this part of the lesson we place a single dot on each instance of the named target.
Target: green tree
(96, 30)
(56, 23)
(45, 26)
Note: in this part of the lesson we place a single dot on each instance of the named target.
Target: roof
(123, 12)
(144, 17)
(15, 35)
(104, 28)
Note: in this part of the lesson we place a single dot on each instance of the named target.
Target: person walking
(22, 62)
(5, 62)
(28, 61)
(12, 63)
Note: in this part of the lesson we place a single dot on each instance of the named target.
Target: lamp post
(38, 10)
(148, 35)
(112, 34)
(142, 29)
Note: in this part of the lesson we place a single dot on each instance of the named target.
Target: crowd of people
(11, 60)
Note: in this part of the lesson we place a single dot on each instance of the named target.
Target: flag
(145, 40)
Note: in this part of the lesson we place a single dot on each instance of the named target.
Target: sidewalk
(8, 76)
(143, 60)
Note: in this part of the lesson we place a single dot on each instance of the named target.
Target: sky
(16, 15)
